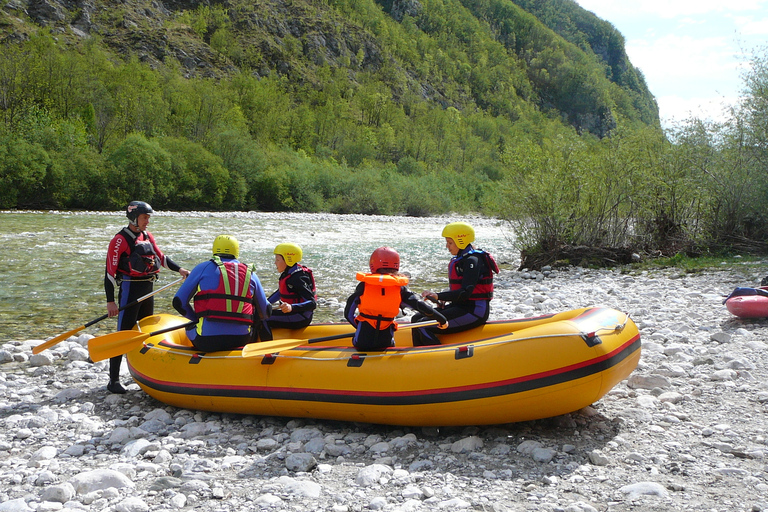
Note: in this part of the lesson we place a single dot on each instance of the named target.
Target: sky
(693, 53)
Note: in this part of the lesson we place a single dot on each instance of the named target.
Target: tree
(140, 170)
(23, 168)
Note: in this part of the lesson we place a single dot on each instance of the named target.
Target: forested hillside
(527, 110)
(412, 86)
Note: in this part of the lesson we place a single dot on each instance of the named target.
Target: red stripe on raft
(450, 390)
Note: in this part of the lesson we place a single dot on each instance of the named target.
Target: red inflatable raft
(748, 302)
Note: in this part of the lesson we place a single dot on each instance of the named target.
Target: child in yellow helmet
(294, 301)
(470, 277)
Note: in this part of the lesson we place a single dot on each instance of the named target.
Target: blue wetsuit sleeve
(187, 290)
(352, 303)
(259, 297)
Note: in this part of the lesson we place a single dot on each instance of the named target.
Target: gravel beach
(686, 431)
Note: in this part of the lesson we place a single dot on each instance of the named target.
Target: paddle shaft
(140, 299)
(350, 334)
(274, 346)
(61, 337)
(169, 329)
(121, 342)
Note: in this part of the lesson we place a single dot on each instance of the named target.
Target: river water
(53, 262)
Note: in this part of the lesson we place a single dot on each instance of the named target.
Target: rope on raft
(427, 350)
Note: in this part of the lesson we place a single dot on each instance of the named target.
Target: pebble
(684, 432)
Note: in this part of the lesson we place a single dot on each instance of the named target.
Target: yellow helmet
(226, 244)
(461, 233)
(291, 253)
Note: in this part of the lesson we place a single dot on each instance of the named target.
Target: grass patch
(690, 265)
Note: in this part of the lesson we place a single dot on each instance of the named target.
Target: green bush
(23, 167)
(140, 170)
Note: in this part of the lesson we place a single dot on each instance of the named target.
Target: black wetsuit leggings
(126, 320)
(460, 318)
(367, 337)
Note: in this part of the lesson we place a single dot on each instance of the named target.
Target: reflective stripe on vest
(232, 299)
(380, 301)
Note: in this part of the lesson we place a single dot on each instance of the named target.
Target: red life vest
(140, 259)
(232, 299)
(484, 288)
(381, 298)
(287, 295)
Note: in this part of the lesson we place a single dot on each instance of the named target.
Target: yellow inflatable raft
(503, 372)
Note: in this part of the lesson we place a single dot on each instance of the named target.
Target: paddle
(270, 347)
(122, 342)
(61, 337)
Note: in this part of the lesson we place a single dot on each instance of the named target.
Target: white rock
(60, 493)
(179, 500)
(68, 395)
(644, 489)
(377, 503)
(671, 397)
(598, 458)
(303, 488)
(543, 455)
(132, 505)
(16, 505)
(268, 500)
(78, 354)
(45, 453)
(647, 381)
(411, 492)
(724, 375)
(467, 445)
(527, 447)
(454, 504)
(99, 479)
(135, 448)
(370, 475)
(44, 358)
(301, 462)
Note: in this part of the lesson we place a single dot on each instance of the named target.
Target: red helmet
(384, 257)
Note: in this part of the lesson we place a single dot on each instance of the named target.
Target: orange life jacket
(380, 301)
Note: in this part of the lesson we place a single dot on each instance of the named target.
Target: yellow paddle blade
(269, 347)
(115, 344)
(54, 341)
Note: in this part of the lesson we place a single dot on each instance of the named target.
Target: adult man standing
(133, 262)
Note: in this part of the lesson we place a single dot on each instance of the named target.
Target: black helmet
(136, 208)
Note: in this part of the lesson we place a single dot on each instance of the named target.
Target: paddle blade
(55, 341)
(269, 347)
(115, 344)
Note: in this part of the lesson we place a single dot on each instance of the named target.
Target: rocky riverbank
(685, 432)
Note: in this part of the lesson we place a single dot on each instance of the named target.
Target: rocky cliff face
(291, 38)
(127, 28)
